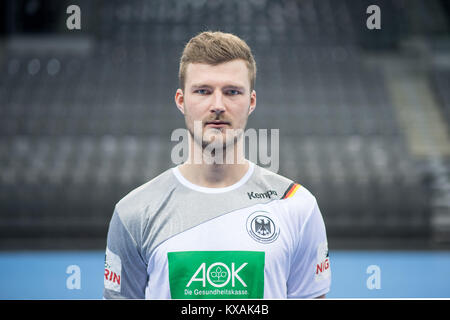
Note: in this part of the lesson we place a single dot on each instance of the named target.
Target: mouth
(216, 124)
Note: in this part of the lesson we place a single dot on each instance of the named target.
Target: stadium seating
(78, 130)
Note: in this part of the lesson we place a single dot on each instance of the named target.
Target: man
(211, 228)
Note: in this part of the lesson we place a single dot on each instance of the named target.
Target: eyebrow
(232, 87)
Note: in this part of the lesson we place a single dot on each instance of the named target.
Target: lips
(217, 124)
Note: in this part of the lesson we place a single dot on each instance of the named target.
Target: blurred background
(86, 116)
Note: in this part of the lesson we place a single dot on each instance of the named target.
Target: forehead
(232, 72)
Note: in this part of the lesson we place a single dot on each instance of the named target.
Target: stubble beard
(223, 142)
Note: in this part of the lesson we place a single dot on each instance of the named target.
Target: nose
(217, 105)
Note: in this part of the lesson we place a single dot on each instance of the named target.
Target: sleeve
(310, 273)
(125, 275)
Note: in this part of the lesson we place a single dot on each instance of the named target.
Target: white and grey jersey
(262, 237)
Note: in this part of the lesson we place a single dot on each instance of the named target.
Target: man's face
(218, 97)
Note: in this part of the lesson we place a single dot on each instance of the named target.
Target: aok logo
(218, 275)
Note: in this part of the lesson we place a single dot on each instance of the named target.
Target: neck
(215, 171)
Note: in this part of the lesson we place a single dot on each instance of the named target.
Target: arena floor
(356, 274)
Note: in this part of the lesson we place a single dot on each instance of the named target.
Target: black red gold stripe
(293, 187)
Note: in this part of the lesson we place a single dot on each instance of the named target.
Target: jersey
(261, 238)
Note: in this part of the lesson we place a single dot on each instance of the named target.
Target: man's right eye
(201, 91)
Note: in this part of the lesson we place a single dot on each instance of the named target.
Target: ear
(179, 100)
(252, 105)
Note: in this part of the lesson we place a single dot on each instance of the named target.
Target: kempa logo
(262, 195)
(218, 275)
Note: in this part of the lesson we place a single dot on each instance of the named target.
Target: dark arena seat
(86, 116)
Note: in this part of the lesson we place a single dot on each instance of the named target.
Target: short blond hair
(214, 48)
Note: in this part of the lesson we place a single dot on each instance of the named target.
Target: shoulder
(132, 205)
(300, 200)
(266, 175)
(286, 187)
(300, 194)
(295, 198)
(264, 179)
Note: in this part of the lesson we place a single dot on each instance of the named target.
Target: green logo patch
(216, 274)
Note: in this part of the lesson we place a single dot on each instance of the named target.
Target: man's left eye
(233, 92)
